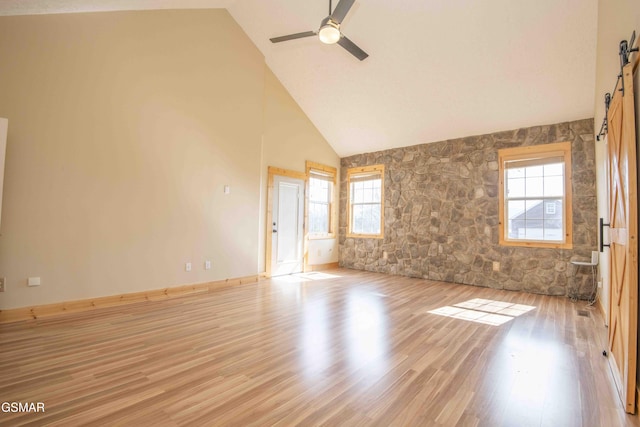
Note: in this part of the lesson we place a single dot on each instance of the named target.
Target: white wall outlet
(600, 284)
(2, 281)
(33, 281)
(227, 189)
(207, 265)
(496, 266)
(187, 266)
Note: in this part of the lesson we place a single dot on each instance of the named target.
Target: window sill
(535, 244)
(365, 236)
(330, 236)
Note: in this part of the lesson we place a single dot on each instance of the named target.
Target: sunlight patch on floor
(303, 277)
(485, 311)
(315, 275)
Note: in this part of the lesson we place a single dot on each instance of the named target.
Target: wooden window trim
(538, 152)
(360, 171)
(333, 172)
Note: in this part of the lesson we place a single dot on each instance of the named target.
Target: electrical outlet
(33, 281)
(187, 267)
(207, 265)
(2, 281)
(496, 266)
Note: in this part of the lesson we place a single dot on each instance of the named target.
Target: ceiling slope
(437, 70)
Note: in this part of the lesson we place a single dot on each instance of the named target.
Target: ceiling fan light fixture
(329, 32)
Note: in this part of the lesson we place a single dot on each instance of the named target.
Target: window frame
(332, 173)
(531, 154)
(355, 172)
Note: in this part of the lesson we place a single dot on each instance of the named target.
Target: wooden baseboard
(40, 311)
(321, 267)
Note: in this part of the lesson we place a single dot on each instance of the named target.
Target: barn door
(623, 216)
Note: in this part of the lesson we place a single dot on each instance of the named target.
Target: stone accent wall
(441, 214)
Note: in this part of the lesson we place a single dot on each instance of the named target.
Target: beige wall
(289, 140)
(123, 130)
(617, 19)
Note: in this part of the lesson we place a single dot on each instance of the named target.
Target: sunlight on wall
(485, 311)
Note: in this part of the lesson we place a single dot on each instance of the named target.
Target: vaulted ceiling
(437, 70)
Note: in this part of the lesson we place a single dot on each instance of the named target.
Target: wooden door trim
(271, 173)
(632, 239)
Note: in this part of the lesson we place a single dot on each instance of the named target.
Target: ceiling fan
(329, 31)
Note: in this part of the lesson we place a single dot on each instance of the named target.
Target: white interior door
(287, 226)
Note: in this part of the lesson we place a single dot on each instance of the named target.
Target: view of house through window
(534, 198)
(534, 202)
(366, 191)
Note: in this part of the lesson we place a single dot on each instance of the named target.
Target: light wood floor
(350, 348)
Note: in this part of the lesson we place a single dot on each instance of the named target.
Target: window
(320, 202)
(365, 192)
(550, 208)
(535, 196)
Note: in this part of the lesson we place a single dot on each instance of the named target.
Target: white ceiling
(437, 70)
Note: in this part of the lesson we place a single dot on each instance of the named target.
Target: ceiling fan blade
(352, 48)
(341, 10)
(293, 36)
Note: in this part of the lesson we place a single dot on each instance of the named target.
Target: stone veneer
(441, 214)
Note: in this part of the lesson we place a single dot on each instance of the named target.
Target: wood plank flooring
(335, 348)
